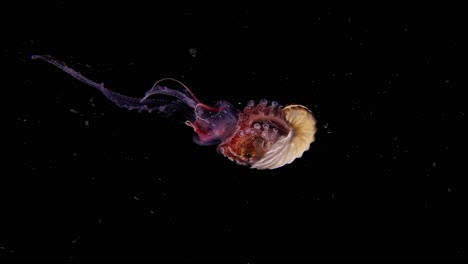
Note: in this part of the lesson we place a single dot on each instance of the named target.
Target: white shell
(287, 149)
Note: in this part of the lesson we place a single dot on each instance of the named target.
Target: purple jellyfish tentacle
(214, 124)
(184, 95)
(132, 103)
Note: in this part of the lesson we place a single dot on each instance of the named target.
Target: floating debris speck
(75, 240)
(193, 52)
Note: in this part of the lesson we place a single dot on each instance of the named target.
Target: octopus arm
(291, 147)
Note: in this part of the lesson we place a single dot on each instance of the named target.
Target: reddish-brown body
(258, 128)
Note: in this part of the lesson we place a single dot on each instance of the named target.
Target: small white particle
(434, 164)
(136, 198)
(333, 196)
(99, 221)
(449, 190)
(86, 123)
(74, 111)
(151, 212)
(75, 240)
(75, 154)
(193, 52)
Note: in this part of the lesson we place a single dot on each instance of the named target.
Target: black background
(86, 180)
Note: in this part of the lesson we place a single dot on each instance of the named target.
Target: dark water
(86, 180)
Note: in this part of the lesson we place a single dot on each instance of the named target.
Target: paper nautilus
(264, 135)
